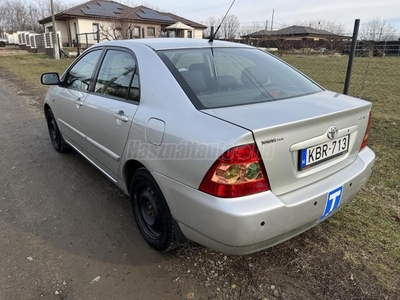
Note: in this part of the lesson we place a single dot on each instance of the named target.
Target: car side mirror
(50, 79)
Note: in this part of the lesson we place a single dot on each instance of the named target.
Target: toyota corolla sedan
(214, 142)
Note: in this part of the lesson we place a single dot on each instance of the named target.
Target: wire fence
(375, 75)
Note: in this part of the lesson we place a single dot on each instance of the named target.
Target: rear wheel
(55, 134)
(151, 212)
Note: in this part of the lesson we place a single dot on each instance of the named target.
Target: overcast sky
(287, 11)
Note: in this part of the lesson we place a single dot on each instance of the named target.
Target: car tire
(151, 212)
(55, 135)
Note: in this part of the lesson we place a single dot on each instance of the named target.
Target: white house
(108, 20)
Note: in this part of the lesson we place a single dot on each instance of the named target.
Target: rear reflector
(238, 172)
(366, 135)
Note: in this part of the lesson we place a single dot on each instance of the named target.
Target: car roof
(173, 43)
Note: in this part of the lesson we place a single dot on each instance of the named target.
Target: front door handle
(120, 116)
(78, 103)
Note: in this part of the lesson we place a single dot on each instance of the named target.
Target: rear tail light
(238, 172)
(366, 135)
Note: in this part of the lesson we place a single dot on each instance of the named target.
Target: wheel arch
(130, 167)
(46, 107)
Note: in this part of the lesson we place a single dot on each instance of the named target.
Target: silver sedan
(215, 142)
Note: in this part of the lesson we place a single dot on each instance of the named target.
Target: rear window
(221, 77)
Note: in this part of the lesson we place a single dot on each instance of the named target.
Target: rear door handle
(120, 116)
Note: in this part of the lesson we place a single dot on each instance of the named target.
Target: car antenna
(223, 19)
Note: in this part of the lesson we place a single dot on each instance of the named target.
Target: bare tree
(15, 15)
(377, 30)
(247, 29)
(115, 30)
(209, 22)
(283, 44)
(230, 27)
(22, 15)
(330, 26)
(308, 45)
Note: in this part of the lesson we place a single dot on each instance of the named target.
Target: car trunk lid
(283, 129)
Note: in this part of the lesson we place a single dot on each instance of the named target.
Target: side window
(81, 73)
(115, 76)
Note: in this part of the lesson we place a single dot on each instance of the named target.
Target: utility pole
(272, 21)
(55, 39)
(266, 25)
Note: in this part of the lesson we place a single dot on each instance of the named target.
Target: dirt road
(66, 232)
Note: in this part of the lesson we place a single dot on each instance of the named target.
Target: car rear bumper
(249, 224)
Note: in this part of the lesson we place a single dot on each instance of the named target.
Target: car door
(71, 95)
(109, 110)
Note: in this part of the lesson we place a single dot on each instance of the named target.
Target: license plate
(323, 152)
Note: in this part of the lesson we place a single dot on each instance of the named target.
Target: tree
(15, 15)
(210, 22)
(230, 27)
(377, 30)
(251, 28)
(330, 26)
(115, 30)
(119, 29)
(21, 15)
(283, 44)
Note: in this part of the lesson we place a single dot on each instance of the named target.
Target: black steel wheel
(55, 134)
(151, 212)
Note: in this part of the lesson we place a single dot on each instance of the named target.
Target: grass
(370, 226)
(30, 67)
(367, 233)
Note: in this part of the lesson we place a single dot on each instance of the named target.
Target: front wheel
(55, 134)
(151, 212)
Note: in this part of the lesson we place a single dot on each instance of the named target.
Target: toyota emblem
(332, 132)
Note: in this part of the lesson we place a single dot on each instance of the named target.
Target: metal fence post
(351, 56)
(77, 45)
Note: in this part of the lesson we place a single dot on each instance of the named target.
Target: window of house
(190, 34)
(118, 77)
(95, 28)
(80, 75)
(136, 32)
(151, 31)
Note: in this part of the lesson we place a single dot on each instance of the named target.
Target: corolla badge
(332, 132)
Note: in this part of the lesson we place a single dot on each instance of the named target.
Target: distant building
(297, 37)
(108, 20)
(296, 33)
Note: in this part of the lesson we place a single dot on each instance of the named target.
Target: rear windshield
(221, 77)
